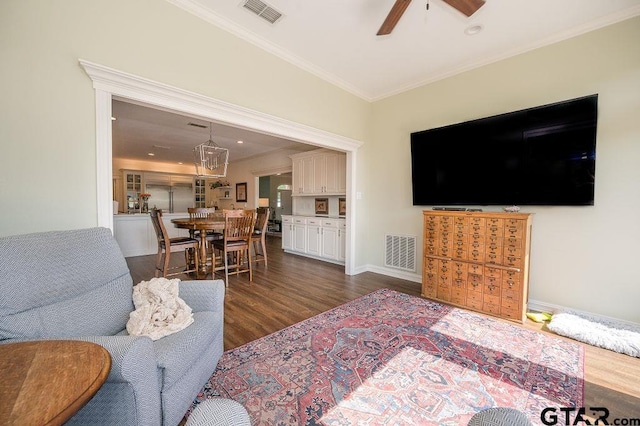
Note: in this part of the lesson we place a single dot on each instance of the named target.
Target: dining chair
(259, 235)
(203, 213)
(238, 227)
(167, 244)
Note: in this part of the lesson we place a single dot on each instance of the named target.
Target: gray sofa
(76, 285)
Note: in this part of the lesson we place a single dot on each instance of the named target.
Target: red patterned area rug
(388, 358)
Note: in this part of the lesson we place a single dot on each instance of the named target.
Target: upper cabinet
(320, 172)
(133, 183)
(200, 191)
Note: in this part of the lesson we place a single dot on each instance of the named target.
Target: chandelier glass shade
(210, 159)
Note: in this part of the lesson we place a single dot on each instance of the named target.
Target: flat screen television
(544, 156)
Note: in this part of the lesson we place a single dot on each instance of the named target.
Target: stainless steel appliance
(174, 198)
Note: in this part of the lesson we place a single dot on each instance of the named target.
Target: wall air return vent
(263, 10)
(400, 252)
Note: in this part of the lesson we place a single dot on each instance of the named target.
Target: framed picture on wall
(241, 192)
(322, 206)
(342, 206)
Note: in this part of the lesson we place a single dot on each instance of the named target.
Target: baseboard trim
(409, 276)
(538, 306)
(533, 305)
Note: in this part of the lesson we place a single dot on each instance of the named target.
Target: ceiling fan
(468, 7)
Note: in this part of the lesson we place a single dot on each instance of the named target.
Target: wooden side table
(46, 382)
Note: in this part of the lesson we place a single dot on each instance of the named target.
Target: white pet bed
(619, 338)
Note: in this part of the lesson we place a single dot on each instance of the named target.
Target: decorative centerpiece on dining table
(144, 205)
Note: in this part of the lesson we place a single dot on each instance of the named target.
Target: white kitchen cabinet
(135, 234)
(342, 241)
(320, 238)
(314, 237)
(330, 239)
(133, 184)
(302, 176)
(300, 234)
(335, 176)
(287, 232)
(320, 172)
(200, 192)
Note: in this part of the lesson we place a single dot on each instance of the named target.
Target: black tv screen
(538, 156)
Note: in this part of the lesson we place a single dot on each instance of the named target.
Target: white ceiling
(336, 40)
(140, 130)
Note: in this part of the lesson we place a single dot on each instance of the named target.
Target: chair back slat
(238, 225)
(201, 212)
(261, 219)
(158, 225)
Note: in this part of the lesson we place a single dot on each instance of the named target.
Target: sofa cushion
(177, 352)
(82, 287)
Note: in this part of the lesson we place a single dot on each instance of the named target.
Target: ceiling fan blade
(393, 17)
(468, 7)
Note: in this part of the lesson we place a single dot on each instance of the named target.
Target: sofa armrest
(203, 295)
(131, 394)
(133, 359)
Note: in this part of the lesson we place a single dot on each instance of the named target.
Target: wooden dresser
(478, 261)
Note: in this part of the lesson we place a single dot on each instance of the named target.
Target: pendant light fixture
(210, 159)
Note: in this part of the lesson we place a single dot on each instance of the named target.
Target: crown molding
(147, 91)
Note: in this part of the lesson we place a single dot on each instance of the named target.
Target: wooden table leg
(203, 253)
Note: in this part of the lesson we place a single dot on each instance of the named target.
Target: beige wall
(48, 164)
(582, 257)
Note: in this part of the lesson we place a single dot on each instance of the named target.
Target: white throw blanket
(159, 311)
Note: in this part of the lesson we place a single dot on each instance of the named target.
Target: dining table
(214, 222)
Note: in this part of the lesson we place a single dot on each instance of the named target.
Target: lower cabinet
(135, 234)
(320, 238)
(314, 237)
(287, 233)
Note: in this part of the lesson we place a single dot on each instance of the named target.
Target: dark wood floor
(293, 288)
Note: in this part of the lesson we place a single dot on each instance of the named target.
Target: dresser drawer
(475, 268)
(429, 290)
(430, 247)
(443, 292)
(331, 223)
(491, 289)
(458, 296)
(514, 261)
(475, 254)
(475, 282)
(461, 224)
(514, 314)
(510, 279)
(431, 234)
(510, 304)
(513, 228)
(477, 221)
(430, 264)
(431, 221)
(474, 300)
(493, 253)
(490, 307)
(459, 250)
(445, 248)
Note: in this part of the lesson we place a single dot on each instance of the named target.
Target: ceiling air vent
(263, 10)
